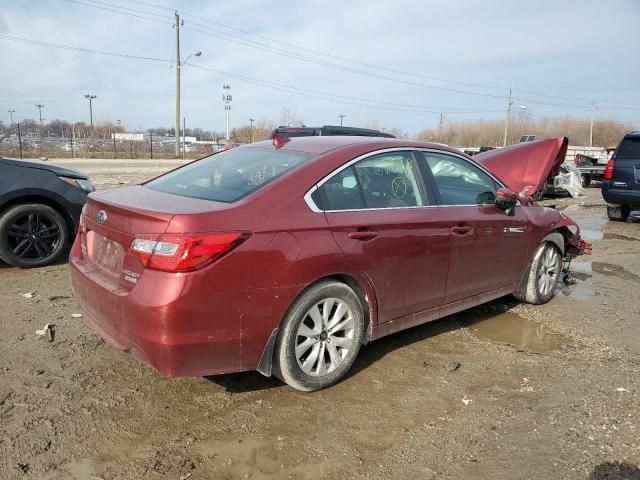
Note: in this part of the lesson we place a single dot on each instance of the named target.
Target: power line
(357, 101)
(117, 11)
(379, 67)
(78, 49)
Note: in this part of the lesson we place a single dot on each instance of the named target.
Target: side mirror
(506, 200)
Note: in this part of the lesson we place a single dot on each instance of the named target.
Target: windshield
(230, 175)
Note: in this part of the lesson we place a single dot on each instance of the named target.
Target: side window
(341, 192)
(460, 182)
(390, 180)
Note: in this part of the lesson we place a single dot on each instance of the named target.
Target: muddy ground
(503, 391)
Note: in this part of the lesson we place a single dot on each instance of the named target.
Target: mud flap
(266, 360)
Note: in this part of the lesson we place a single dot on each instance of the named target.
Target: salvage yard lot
(500, 391)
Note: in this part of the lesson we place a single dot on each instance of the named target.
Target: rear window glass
(230, 175)
(629, 149)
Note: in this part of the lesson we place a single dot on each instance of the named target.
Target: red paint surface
(421, 264)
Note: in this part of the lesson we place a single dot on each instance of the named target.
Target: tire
(309, 354)
(541, 278)
(586, 180)
(618, 213)
(32, 235)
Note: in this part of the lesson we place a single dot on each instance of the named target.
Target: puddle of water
(590, 221)
(613, 270)
(510, 328)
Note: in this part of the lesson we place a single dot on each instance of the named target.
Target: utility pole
(341, 117)
(506, 125)
(441, 122)
(593, 107)
(227, 98)
(184, 138)
(177, 27)
(11, 112)
(19, 140)
(251, 120)
(39, 106)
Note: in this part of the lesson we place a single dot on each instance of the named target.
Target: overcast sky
(393, 62)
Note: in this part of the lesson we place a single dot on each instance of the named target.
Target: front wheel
(320, 337)
(32, 235)
(541, 279)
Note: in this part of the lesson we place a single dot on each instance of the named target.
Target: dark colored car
(621, 184)
(286, 258)
(328, 130)
(40, 207)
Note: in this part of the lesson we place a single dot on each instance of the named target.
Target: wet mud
(501, 391)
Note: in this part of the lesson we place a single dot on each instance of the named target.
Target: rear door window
(390, 180)
(629, 149)
(230, 175)
(386, 180)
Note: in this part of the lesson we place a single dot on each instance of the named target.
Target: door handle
(461, 229)
(363, 235)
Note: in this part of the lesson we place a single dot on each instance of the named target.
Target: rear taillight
(181, 253)
(608, 170)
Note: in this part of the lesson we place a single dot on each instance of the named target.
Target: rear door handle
(363, 235)
(461, 229)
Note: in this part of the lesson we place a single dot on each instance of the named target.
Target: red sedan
(286, 257)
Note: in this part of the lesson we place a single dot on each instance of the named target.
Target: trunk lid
(112, 219)
(525, 167)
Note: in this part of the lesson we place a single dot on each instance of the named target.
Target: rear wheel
(586, 180)
(618, 213)
(32, 235)
(320, 337)
(541, 279)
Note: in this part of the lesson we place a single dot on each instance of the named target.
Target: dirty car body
(204, 270)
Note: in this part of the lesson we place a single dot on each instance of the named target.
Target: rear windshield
(629, 149)
(230, 175)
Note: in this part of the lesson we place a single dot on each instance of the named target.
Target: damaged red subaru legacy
(287, 257)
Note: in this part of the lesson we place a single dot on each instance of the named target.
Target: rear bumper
(620, 196)
(178, 323)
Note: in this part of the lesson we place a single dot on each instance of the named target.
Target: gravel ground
(505, 390)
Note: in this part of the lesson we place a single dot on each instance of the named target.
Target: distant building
(127, 137)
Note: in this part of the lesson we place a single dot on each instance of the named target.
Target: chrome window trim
(314, 208)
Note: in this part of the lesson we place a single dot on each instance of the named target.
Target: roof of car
(318, 145)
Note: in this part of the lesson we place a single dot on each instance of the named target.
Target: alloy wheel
(33, 236)
(549, 270)
(324, 337)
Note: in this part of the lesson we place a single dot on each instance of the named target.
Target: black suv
(621, 184)
(40, 207)
(328, 130)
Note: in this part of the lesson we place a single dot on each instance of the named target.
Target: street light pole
(11, 112)
(39, 106)
(177, 27)
(90, 97)
(227, 98)
(251, 120)
(341, 116)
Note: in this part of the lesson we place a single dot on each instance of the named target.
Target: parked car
(40, 206)
(286, 258)
(331, 130)
(621, 183)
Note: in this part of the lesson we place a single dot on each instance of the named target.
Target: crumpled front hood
(525, 167)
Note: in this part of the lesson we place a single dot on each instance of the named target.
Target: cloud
(564, 49)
